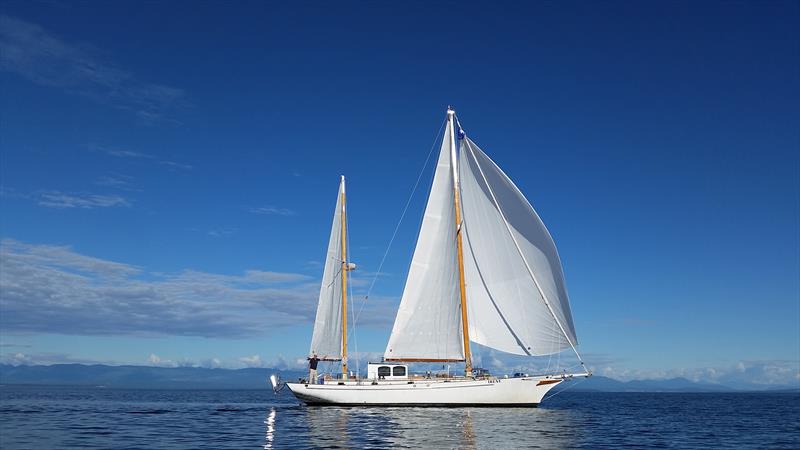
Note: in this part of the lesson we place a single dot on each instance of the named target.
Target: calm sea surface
(60, 417)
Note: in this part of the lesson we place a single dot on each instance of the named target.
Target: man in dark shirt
(312, 369)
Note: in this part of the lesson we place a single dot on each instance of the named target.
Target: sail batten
(326, 341)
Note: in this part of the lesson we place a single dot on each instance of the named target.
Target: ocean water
(70, 417)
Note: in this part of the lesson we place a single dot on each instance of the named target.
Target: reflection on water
(468, 432)
(270, 422)
(379, 427)
(77, 417)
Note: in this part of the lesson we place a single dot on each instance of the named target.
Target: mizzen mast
(462, 288)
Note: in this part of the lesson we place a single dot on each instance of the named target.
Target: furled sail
(428, 322)
(326, 342)
(506, 310)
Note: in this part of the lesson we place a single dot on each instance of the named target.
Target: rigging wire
(565, 389)
(552, 347)
(399, 222)
(352, 301)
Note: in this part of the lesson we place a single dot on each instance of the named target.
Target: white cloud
(252, 361)
(16, 359)
(757, 375)
(60, 258)
(116, 181)
(53, 289)
(212, 363)
(43, 58)
(274, 277)
(221, 232)
(154, 360)
(741, 375)
(281, 363)
(175, 165)
(271, 210)
(45, 358)
(61, 200)
(130, 154)
(122, 153)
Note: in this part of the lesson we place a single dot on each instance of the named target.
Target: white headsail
(505, 308)
(428, 322)
(326, 342)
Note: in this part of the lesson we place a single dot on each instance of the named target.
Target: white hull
(527, 391)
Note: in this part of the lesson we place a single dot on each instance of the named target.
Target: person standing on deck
(312, 369)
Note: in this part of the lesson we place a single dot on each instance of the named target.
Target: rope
(552, 347)
(565, 389)
(397, 227)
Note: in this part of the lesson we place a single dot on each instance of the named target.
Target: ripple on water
(108, 418)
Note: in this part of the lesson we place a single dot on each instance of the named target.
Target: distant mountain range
(140, 377)
(605, 384)
(147, 377)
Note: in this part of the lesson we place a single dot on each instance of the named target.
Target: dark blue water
(59, 417)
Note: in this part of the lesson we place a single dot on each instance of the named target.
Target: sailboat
(485, 270)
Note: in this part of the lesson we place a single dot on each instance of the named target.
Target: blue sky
(169, 171)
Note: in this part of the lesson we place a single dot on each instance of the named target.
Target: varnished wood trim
(421, 360)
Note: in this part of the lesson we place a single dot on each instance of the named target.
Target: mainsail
(506, 310)
(428, 322)
(326, 342)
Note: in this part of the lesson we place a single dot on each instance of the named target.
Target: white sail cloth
(326, 342)
(505, 309)
(428, 322)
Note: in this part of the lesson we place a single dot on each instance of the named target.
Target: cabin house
(387, 371)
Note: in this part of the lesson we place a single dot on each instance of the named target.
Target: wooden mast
(344, 285)
(457, 200)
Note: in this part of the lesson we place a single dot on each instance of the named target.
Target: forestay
(506, 310)
(326, 342)
(428, 322)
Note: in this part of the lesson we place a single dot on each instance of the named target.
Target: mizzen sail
(506, 309)
(326, 342)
